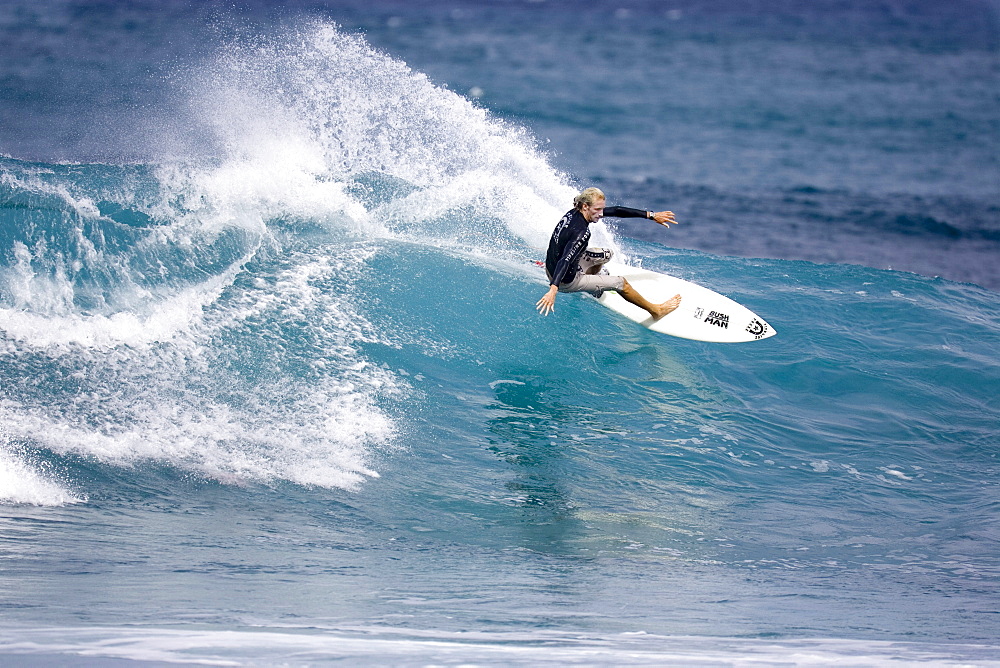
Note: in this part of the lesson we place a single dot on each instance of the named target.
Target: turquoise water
(279, 394)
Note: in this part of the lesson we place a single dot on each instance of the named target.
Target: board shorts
(595, 284)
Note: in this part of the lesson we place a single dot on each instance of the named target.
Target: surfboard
(704, 315)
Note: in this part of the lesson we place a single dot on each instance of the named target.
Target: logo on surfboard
(717, 318)
(757, 329)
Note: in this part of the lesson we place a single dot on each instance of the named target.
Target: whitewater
(280, 396)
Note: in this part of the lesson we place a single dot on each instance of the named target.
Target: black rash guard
(570, 239)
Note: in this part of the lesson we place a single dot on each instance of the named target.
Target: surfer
(572, 267)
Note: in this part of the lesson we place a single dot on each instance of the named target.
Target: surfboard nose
(760, 329)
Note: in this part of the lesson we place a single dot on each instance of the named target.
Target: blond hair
(587, 197)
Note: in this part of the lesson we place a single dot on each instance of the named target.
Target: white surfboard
(704, 315)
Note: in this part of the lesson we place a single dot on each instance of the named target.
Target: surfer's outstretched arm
(665, 218)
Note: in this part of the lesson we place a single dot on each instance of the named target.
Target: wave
(301, 343)
(201, 310)
(339, 275)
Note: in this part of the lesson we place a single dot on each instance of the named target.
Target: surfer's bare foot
(668, 306)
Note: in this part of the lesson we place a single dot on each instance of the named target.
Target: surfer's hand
(547, 304)
(665, 218)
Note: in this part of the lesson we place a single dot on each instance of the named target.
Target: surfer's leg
(595, 285)
(632, 295)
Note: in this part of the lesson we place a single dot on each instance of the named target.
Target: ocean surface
(273, 390)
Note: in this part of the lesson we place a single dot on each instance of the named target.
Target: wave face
(304, 358)
(206, 314)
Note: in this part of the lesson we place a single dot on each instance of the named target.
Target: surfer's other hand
(547, 304)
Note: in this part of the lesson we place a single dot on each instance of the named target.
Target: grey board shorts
(597, 283)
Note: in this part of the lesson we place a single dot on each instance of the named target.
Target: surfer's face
(593, 212)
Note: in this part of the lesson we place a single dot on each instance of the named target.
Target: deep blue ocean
(273, 390)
